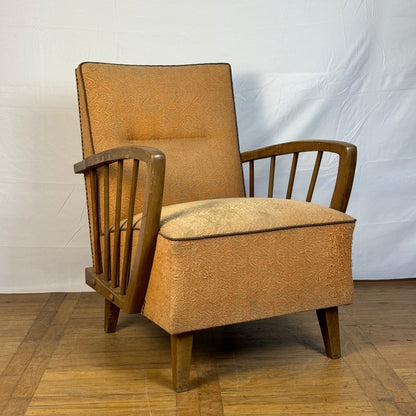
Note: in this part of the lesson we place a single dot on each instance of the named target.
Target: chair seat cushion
(224, 261)
(233, 216)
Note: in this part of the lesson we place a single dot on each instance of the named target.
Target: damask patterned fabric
(201, 283)
(232, 216)
(186, 111)
(225, 261)
(232, 260)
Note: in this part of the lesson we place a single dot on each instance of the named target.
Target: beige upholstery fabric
(221, 262)
(222, 217)
(171, 108)
(187, 111)
(230, 216)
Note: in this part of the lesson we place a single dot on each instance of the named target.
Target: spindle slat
(106, 231)
(129, 230)
(92, 183)
(115, 273)
(292, 175)
(271, 176)
(251, 175)
(314, 176)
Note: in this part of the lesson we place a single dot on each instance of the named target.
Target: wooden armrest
(119, 281)
(300, 146)
(346, 169)
(146, 154)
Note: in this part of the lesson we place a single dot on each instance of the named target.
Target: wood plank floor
(55, 359)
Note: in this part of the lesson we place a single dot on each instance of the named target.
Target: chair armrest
(121, 282)
(299, 146)
(346, 169)
(146, 154)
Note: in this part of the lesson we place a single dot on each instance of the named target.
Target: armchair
(172, 234)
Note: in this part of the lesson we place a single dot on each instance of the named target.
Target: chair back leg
(111, 313)
(181, 350)
(328, 321)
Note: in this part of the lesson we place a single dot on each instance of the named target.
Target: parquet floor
(55, 359)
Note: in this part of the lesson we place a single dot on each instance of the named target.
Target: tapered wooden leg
(181, 351)
(110, 316)
(328, 321)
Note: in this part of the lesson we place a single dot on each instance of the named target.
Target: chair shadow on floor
(263, 345)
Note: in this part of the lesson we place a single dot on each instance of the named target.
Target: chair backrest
(187, 111)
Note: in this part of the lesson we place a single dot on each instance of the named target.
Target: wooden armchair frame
(346, 168)
(125, 287)
(122, 286)
(347, 152)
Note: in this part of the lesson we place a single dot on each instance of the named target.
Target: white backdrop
(326, 69)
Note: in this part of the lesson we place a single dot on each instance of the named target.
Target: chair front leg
(328, 321)
(111, 313)
(181, 351)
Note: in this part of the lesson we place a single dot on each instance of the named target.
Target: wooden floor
(55, 359)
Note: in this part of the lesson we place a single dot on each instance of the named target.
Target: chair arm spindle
(125, 288)
(314, 176)
(345, 176)
(292, 175)
(271, 176)
(115, 273)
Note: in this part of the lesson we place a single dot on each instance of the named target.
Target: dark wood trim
(329, 324)
(181, 352)
(346, 169)
(110, 316)
(128, 294)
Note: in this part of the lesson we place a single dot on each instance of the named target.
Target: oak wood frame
(181, 353)
(346, 168)
(328, 317)
(130, 296)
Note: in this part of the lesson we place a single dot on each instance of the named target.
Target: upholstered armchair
(173, 235)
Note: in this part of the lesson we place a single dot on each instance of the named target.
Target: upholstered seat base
(205, 272)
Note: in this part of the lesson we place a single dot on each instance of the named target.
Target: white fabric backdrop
(326, 69)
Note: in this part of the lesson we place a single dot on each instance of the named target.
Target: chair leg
(328, 321)
(181, 351)
(110, 316)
